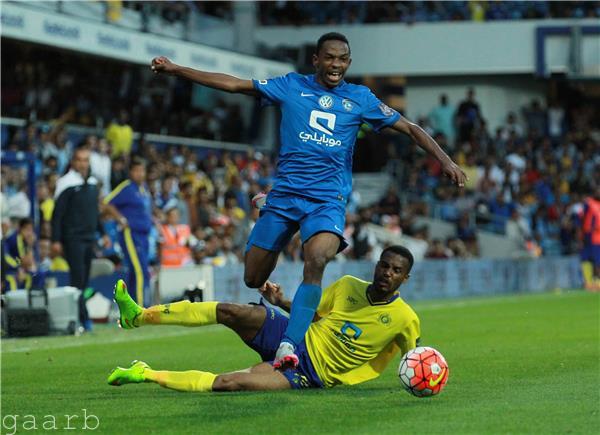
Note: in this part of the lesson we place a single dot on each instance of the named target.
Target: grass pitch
(518, 364)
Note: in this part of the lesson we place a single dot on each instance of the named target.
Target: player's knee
(228, 382)
(315, 264)
(228, 314)
(254, 281)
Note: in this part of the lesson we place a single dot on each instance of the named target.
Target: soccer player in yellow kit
(358, 329)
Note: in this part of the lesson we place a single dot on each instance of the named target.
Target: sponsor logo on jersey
(322, 122)
(345, 341)
(347, 105)
(352, 300)
(326, 102)
(302, 94)
(386, 110)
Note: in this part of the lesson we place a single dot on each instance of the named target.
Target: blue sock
(304, 305)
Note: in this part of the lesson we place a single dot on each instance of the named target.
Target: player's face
(331, 62)
(138, 174)
(391, 271)
(81, 161)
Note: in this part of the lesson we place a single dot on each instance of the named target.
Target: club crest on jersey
(385, 319)
(326, 102)
(347, 105)
(386, 110)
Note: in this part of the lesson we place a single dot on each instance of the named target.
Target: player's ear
(315, 59)
(406, 278)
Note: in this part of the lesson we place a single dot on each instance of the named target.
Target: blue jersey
(133, 202)
(318, 131)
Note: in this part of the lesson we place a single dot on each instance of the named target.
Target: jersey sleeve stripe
(108, 198)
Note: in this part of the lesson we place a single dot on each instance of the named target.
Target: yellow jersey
(356, 339)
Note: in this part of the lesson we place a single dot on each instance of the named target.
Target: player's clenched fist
(162, 65)
(271, 292)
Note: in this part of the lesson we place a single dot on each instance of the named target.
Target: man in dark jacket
(75, 221)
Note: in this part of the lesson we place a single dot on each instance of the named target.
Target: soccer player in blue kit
(321, 115)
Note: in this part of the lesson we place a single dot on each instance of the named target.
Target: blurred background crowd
(527, 178)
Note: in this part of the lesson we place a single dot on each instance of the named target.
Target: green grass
(518, 364)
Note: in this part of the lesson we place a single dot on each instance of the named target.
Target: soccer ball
(423, 371)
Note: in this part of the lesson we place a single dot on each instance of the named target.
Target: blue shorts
(591, 253)
(284, 214)
(267, 341)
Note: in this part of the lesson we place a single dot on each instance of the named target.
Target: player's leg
(245, 320)
(321, 232)
(273, 230)
(142, 247)
(135, 275)
(259, 378)
(75, 255)
(258, 265)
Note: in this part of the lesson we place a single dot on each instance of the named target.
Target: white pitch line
(52, 343)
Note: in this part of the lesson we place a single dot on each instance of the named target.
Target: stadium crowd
(41, 84)
(527, 180)
(361, 12)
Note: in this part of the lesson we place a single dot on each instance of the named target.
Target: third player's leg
(245, 320)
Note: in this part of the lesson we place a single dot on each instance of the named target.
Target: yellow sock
(191, 380)
(184, 313)
(587, 270)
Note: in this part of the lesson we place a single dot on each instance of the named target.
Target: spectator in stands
(556, 120)
(120, 135)
(467, 232)
(18, 254)
(45, 201)
(48, 260)
(118, 172)
(535, 120)
(390, 203)
(468, 116)
(442, 119)
(175, 241)
(501, 211)
(230, 209)
(364, 241)
(130, 205)
(167, 198)
(511, 129)
(100, 163)
(19, 204)
(437, 251)
(75, 221)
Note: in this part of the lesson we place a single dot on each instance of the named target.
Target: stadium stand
(527, 178)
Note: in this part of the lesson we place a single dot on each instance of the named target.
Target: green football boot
(128, 309)
(132, 375)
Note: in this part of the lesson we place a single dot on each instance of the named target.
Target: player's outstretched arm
(420, 136)
(223, 82)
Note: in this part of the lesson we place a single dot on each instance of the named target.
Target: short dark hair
(402, 251)
(136, 161)
(331, 36)
(24, 222)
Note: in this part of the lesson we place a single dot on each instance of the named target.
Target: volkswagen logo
(326, 102)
